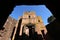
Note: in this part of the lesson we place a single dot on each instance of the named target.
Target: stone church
(27, 27)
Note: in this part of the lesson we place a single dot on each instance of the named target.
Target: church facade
(27, 26)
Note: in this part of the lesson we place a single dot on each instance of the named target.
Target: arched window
(29, 16)
(38, 20)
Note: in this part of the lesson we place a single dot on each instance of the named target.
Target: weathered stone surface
(6, 33)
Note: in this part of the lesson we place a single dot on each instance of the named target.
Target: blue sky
(40, 10)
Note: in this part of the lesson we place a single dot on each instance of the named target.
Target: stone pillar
(15, 29)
